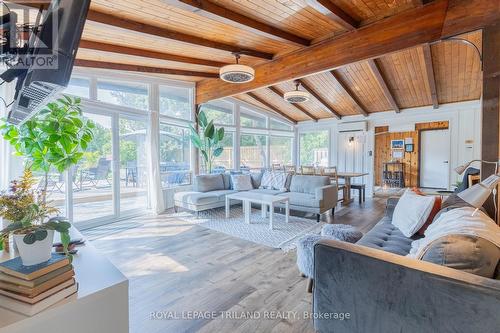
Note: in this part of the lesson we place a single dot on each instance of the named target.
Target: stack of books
(31, 289)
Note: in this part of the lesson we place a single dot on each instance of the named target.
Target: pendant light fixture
(297, 96)
(237, 73)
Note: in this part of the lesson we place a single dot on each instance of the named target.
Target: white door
(434, 159)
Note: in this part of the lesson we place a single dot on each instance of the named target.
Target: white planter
(36, 253)
(5, 223)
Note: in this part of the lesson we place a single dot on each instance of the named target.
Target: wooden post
(491, 104)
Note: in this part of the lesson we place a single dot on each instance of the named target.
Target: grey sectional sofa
(385, 291)
(313, 194)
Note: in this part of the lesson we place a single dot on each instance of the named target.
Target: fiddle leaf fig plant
(208, 140)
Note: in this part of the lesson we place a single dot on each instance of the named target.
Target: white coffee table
(265, 200)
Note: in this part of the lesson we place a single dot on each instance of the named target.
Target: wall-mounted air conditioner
(353, 126)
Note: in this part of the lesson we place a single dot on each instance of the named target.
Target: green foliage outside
(309, 143)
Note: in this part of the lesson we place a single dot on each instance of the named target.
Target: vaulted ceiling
(191, 39)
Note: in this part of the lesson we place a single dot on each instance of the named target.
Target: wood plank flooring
(185, 278)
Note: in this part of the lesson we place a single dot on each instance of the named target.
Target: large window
(314, 148)
(274, 124)
(78, 87)
(175, 102)
(131, 95)
(280, 150)
(174, 155)
(220, 112)
(253, 151)
(251, 119)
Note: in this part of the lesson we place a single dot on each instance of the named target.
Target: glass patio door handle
(445, 162)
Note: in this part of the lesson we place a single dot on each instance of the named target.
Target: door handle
(445, 162)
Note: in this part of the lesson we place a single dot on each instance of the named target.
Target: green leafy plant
(30, 213)
(208, 140)
(55, 138)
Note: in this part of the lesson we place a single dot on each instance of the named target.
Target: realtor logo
(28, 39)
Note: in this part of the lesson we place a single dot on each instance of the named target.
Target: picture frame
(397, 144)
(409, 147)
(398, 154)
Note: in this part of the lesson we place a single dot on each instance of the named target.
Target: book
(32, 309)
(32, 292)
(38, 298)
(16, 268)
(33, 283)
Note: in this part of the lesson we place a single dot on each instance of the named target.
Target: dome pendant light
(237, 73)
(297, 96)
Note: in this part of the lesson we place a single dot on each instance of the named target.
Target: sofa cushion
(207, 183)
(467, 253)
(266, 191)
(242, 182)
(308, 184)
(385, 236)
(302, 199)
(202, 198)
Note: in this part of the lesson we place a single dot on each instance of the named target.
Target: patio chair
(98, 173)
(131, 173)
(307, 170)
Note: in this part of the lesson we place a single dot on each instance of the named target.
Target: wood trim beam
(214, 11)
(383, 84)
(425, 24)
(171, 34)
(346, 90)
(320, 99)
(141, 69)
(298, 107)
(429, 71)
(271, 107)
(113, 48)
(337, 14)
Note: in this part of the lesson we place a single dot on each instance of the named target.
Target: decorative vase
(36, 253)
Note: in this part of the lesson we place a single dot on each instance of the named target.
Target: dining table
(347, 176)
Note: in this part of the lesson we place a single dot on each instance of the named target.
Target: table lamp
(477, 194)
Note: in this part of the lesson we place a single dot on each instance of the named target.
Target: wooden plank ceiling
(191, 39)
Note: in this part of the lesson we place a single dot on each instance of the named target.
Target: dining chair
(332, 173)
(307, 170)
(277, 167)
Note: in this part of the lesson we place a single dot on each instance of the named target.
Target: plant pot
(36, 253)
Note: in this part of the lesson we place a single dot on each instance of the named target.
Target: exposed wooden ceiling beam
(297, 106)
(113, 48)
(337, 14)
(437, 20)
(346, 90)
(429, 71)
(270, 106)
(383, 84)
(171, 34)
(214, 11)
(320, 99)
(142, 69)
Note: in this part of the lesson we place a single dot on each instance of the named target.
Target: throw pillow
(274, 180)
(241, 182)
(435, 210)
(267, 180)
(412, 212)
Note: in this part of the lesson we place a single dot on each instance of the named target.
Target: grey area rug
(283, 236)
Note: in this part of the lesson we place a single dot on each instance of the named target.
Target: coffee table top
(257, 197)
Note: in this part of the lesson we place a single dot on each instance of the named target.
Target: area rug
(283, 236)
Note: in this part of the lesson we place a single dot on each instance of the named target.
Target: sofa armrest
(385, 292)
(329, 194)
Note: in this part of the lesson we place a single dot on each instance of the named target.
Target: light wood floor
(176, 268)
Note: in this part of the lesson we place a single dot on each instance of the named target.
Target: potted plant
(208, 140)
(53, 139)
(32, 229)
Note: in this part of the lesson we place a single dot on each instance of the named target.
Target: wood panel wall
(411, 160)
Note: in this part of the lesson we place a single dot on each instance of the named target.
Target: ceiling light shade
(296, 96)
(237, 73)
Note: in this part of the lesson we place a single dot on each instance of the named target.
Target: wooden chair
(332, 173)
(361, 190)
(307, 170)
(277, 167)
(473, 179)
